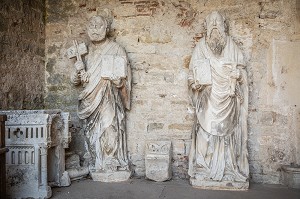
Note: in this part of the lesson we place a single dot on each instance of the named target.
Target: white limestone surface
(158, 160)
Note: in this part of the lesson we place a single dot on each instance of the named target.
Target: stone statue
(219, 90)
(106, 77)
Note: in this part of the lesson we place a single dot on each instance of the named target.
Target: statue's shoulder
(112, 42)
(201, 43)
(118, 48)
(202, 40)
(200, 47)
(232, 42)
(235, 51)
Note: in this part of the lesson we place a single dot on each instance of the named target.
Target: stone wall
(159, 37)
(22, 52)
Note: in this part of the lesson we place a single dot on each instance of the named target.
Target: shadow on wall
(298, 10)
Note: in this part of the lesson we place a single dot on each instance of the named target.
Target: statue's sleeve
(240, 60)
(197, 55)
(235, 53)
(126, 89)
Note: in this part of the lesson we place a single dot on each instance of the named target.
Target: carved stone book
(113, 65)
(202, 72)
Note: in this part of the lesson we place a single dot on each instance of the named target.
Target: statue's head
(216, 32)
(215, 21)
(97, 28)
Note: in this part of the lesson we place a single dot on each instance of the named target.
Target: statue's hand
(116, 80)
(79, 65)
(84, 76)
(118, 83)
(196, 86)
(235, 74)
(114, 77)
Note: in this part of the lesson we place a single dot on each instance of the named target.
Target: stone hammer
(77, 50)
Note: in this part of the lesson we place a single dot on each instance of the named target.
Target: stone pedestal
(36, 140)
(291, 176)
(158, 160)
(113, 176)
(215, 185)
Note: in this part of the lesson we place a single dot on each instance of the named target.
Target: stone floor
(143, 189)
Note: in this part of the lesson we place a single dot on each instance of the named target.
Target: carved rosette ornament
(218, 86)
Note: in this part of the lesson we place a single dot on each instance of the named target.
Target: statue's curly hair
(104, 19)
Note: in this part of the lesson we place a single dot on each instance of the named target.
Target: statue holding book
(106, 77)
(219, 91)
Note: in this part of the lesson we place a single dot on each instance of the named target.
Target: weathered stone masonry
(22, 53)
(159, 37)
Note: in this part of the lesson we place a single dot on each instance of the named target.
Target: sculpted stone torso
(103, 101)
(218, 85)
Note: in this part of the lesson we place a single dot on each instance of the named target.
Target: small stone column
(43, 174)
(3, 118)
(43, 154)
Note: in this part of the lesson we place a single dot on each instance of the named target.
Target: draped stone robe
(102, 104)
(219, 138)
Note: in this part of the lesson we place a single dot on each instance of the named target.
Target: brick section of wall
(22, 53)
(141, 8)
(159, 37)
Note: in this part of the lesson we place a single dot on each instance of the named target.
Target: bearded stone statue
(218, 86)
(106, 77)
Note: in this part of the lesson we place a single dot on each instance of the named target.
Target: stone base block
(290, 175)
(117, 176)
(78, 173)
(215, 185)
(159, 175)
(158, 160)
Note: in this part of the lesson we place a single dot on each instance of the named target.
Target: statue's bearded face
(216, 35)
(97, 28)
